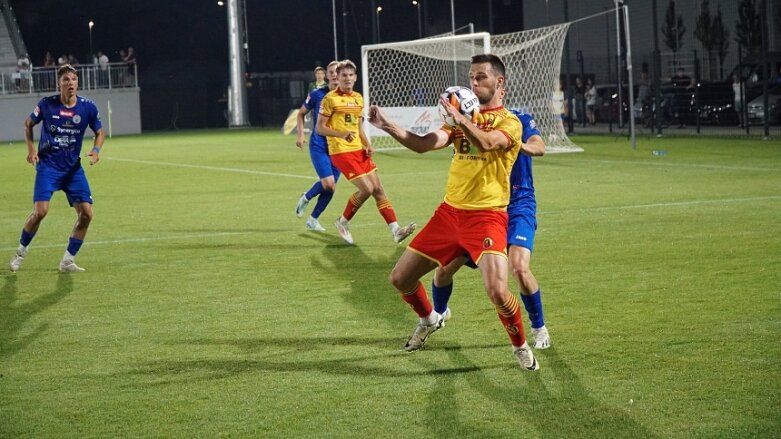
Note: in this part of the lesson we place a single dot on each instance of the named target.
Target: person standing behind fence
(591, 102)
(102, 69)
(739, 92)
(57, 162)
(131, 61)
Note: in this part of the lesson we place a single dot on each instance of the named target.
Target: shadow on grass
(13, 318)
(551, 402)
(304, 354)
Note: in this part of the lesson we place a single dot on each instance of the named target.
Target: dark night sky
(284, 35)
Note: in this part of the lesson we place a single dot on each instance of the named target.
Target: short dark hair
(66, 68)
(496, 63)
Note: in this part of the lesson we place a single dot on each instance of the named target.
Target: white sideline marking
(249, 171)
(132, 240)
(211, 168)
(684, 165)
(671, 204)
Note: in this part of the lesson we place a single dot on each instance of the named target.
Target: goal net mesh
(407, 78)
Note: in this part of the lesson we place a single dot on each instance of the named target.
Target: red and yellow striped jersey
(344, 111)
(481, 180)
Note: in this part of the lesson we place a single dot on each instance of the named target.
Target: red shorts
(451, 232)
(353, 164)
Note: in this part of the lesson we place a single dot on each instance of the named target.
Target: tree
(747, 27)
(703, 31)
(673, 28)
(720, 35)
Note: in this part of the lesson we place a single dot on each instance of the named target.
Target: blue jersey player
(57, 162)
(318, 152)
(520, 236)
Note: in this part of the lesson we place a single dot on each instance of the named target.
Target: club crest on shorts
(488, 242)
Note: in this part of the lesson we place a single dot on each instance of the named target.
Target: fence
(91, 76)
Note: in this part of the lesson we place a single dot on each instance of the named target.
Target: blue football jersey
(63, 129)
(312, 103)
(521, 180)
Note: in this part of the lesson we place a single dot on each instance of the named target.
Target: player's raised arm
(434, 140)
(482, 140)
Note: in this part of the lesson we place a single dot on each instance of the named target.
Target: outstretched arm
(420, 144)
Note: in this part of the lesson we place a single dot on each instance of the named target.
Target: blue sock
(533, 305)
(314, 191)
(441, 296)
(26, 238)
(322, 203)
(74, 245)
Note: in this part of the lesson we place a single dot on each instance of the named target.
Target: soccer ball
(463, 99)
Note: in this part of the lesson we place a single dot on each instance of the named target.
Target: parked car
(756, 108)
(716, 103)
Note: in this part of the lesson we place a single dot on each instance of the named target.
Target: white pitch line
(671, 204)
(684, 165)
(211, 168)
(133, 240)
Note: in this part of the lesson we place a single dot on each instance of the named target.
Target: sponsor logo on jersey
(37, 111)
(76, 119)
(66, 113)
(488, 242)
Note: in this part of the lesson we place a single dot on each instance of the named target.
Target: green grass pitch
(207, 310)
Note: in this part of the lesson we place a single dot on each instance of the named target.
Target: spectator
(23, 74)
(48, 74)
(130, 59)
(579, 101)
(102, 69)
(681, 84)
(740, 95)
(72, 60)
(591, 102)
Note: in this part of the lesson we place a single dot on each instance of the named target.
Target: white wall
(125, 115)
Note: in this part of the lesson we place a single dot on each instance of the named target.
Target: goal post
(406, 78)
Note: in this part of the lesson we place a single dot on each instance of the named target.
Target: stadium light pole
(91, 53)
(452, 18)
(379, 9)
(420, 23)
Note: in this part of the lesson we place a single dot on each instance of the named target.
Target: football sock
(441, 296)
(26, 238)
(353, 204)
(314, 191)
(386, 210)
(533, 305)
(322, 202)
(418, 300)
(74, 245)
(510, 315)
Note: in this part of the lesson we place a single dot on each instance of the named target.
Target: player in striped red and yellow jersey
(341, 122)
(473, 217)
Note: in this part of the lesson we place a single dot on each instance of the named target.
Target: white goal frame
(390, 71)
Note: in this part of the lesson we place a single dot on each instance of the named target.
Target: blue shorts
(73, 183)
(520, 231)
(322, 163)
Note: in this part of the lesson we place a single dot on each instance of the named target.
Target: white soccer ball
(465, 101)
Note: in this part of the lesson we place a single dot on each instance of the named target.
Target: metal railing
(91, 76)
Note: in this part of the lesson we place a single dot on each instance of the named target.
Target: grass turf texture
(208, 310)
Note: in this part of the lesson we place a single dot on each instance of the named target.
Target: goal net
(406, 79)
